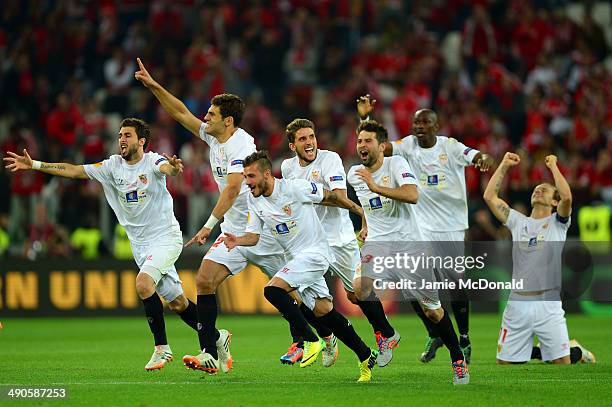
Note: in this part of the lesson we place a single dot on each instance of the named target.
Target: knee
(352, 297)
(322, 307)
(179, 304)
(434, 315)
(205, 283)
(145, 286)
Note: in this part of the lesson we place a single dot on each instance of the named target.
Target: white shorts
(157, 259)
(374, 265)
(306, 275)
(446, 244)
(267, 255)
(347, 261)
(522, 321)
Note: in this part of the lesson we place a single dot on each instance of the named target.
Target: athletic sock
(449, 337)
(295, 336)
(575, 354)
(154, 310)
(429, 325)
(464, 340)
(207, 318)
(373, 310)
(461, 309)
(344, 331)
(321, 329)
(190, 315)
(536, 353)
(288, 308)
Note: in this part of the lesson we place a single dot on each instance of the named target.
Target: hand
(551, 161)
(511, 159)
(200, 237)
(484, 162)
(18, 162)
(229, 240)
(362, 235)
(366, 176)
(175, 162)
(365, 106)
(142, 74)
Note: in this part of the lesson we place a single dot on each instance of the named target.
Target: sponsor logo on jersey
(408, 175)
(282, 229)
(219, 172)
(432, 179)
(375, 203)
(98, 164)
(443, 158)
(467, 150)
(314, 188)
(131, 196)
(160, 160)
(143, 178)
(336, 178)
(236, 162)
(533, 242)
(315, 174)
(287, 209)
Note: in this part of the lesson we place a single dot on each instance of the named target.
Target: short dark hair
(230, 105)
(141, 127)
(295, 125)
(261, 158)
(556, 195)
(374, 127)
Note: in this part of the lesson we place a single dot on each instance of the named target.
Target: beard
(304, 158)
(130, 153)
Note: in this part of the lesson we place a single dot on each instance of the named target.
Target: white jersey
(440, 171)
(138, 195)
(537, 250)
(228, 158)
(388, 219)
(289, 214)
(327, 170)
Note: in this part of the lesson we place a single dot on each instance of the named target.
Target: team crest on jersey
(315, 174)
(385, 180)
(287, 209)
(143, 178)
(443, 158)
(545, 226)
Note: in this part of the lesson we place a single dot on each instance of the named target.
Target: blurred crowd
(532, 76)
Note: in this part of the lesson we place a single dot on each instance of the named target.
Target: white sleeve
(254, 222)
(401, 172)
(208, 139)
(158, 161)
(513, 219)
(462, 154)
(306, 191)
(333, 172)
(284, 168)
(99, 171)
(236, 153)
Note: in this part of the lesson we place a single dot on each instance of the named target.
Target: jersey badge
(287, 209)
(385, 180)
(443, 158)
(336, 178)
(315, 174)
(143, 179)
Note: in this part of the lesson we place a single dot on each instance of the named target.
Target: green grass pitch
(101, 362)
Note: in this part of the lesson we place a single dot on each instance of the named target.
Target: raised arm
(564, 207)
(173, 167)
(17, 162)
(169, 102)
(365, 106)
(498, 206)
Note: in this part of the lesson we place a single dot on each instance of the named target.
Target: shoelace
(381, 341)
(292, 348)
(459, 369)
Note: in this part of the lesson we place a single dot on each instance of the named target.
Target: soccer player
(134, 184)
(325, 167)
(387, 190)
(538, 241)
(285, 207)
(229, 144)
(439, 163)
